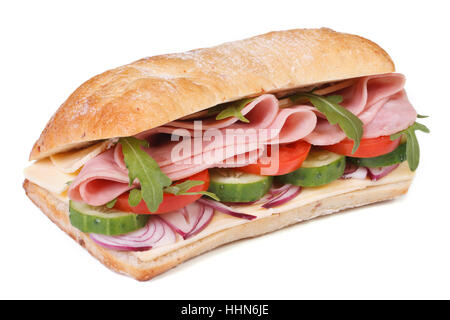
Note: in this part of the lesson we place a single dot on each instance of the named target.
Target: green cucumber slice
(385, 160)
(319, 168)
(231, 185)
(102, 220)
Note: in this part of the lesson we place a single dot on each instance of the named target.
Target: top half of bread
(156, 90)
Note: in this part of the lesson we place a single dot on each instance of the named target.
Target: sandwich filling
(244, 160)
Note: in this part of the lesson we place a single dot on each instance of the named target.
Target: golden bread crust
(156, 90)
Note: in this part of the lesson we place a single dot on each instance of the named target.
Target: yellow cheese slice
(46, 175)
(71, 161)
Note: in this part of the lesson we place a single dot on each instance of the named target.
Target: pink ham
(100, 181)
(260, 112)
(292, 124)
(379, 101)
(396, 114)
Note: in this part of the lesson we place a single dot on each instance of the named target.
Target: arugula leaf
(335, 99)
(183, 188)
(412, 144)
(144, 168)
(421, 127)
(111, 203)
(336, 114)
(233, 109)
(205, 193)
(134, 197)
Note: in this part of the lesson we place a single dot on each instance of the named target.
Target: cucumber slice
(102, 220)
(235, 186)
(319, 168)
(385, 160)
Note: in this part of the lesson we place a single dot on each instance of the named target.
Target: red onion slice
(155, 233)
(378, 173)
(135, 238)
(225, 209)
(277, 191)
(189, 220)
(147, 231)
(169, 237)
(240, 203)
(184, 220)
(289, 192)
(208, 214)
(273, 193)
(275, 197)
(359, 173)
(350, 167)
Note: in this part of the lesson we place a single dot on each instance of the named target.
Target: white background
(398, 249)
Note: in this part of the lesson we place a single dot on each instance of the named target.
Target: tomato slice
(170, 201)
(289, 157)
(368, 148)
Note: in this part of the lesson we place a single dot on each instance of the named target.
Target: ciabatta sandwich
(155, 162)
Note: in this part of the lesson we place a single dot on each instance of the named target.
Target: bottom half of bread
(129, 264)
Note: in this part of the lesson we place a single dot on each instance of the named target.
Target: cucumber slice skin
(241, 192)
(102, 224)
(385, 160)
(315, 176)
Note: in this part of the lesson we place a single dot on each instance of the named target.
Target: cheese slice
(222, 221)
(71, 161)
(46, 175)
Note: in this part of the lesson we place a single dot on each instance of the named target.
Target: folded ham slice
(379, 101)
(261, 112)
(100, 181)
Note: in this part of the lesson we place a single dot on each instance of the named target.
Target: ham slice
(379, 101)
(261, 112)
(395, 115)
(100, 181)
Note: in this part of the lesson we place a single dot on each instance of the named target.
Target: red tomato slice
(170, 201)
(289, 158)
(368, 148)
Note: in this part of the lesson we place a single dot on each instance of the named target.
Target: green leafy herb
(336, 114)
(144, 168)
(69, 182)
(205, 193)
(111, 204)
(183, 188)
(412, 144)
(421, 116)
(134, 197)
(231, 109)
